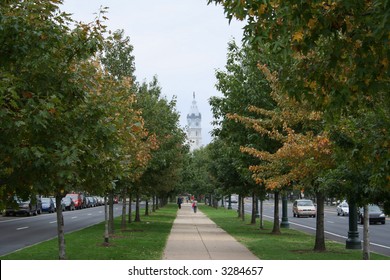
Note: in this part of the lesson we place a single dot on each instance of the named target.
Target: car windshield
(305, 203)
(344, 205)
(46, 200)
(374, 208)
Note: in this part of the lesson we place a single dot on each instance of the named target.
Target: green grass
(290, 245)
(140, 241)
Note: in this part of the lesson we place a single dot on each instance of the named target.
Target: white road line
(74, 217)
(21, 228)
(89, 214)
(330, 222)
(52, 222)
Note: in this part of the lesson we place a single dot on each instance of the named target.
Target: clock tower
(194, 129)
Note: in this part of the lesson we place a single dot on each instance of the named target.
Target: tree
(335, 56)
(242, 85)
(305, 152)
(45, 72)
(162, 122)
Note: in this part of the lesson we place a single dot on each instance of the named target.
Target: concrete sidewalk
(195, 237)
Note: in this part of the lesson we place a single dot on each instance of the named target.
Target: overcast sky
(183, 42)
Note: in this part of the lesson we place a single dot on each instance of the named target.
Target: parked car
(68, 203)
(47, 205)
(77, 199)
(233, 199)
(116, 199)
(342, 209)
(304, 207)
(90, 202)
(28, 207)
(376, 215)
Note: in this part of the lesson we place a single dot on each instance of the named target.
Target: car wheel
(361, 221)
(383, 222)
(338, 214)
(294, 215)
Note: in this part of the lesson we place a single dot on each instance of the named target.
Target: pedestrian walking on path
(179, 202)
(196, 237)
(195, 205)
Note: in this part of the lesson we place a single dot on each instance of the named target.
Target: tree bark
(261, 215)
(253, 218)
(129, 218)
(123, 220)
(60, 228)
(147, 207)
(366, 234)
(320, 229)
(106, 231)
(276, 228)
(137, 214)
(111, 213)
(242, 208)
(239, 207)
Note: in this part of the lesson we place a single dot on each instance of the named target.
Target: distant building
(194, 129)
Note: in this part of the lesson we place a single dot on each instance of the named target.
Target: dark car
(26, 207)
(68, 203)
(47, 205)
(376, 215)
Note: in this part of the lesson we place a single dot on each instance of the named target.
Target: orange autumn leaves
(303, 152)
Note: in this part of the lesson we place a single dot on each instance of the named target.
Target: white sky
(183, 42)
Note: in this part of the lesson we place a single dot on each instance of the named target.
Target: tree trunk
(147, 207)
(123, 220)
(253, 218)
(366, 235)
(261, 215)
(106, 232)
(129, 218)
(60, 228)
(276, 228)
(239, 207)
(242, 208)
(320, 229)
(137, 214)
(111, 213)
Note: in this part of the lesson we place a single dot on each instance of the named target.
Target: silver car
(304, 207)
(343, 209)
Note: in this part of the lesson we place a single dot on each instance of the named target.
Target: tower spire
(193, 94)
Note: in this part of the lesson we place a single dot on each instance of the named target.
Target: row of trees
(73, 117)
(305, 104)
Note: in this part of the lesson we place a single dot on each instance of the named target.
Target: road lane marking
(21, 228)
(74, 217)
(89, 214)
(330, 222)
(52, 222)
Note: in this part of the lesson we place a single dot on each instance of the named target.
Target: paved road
(336, 227)
(19, 232)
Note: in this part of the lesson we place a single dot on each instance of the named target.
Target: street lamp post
(353, 241)
(230, 202)
(284, 223)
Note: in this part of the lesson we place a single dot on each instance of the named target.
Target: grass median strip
(290, 245)
(140, 241)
